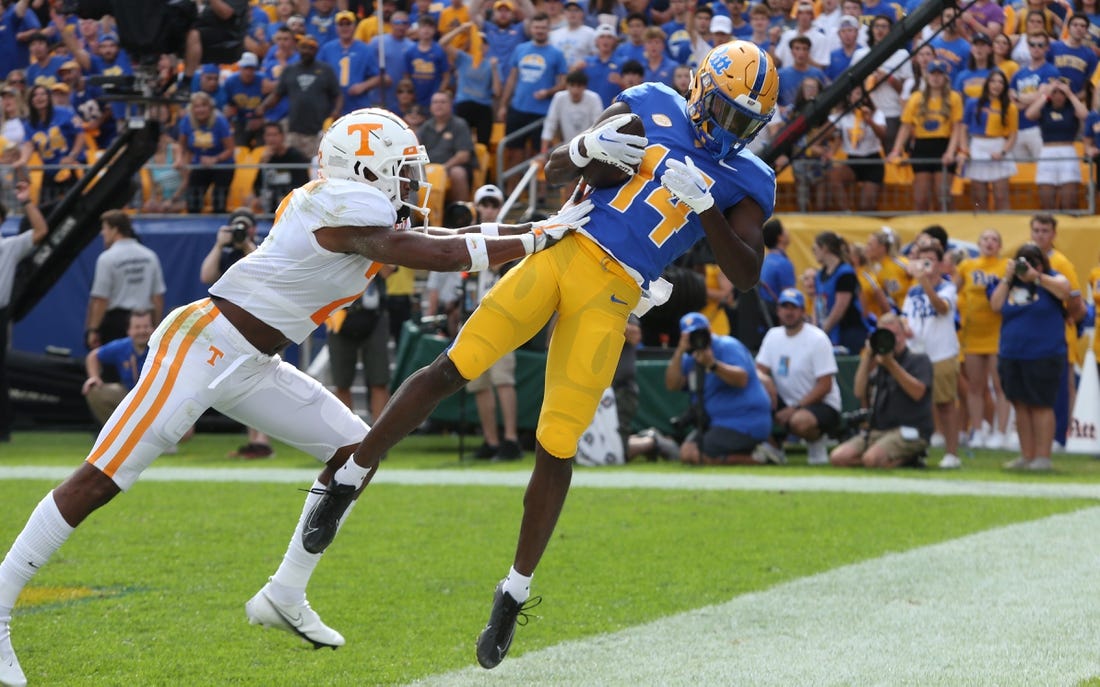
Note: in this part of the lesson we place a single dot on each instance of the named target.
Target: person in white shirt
(797, 365)
(571, 112)
(929, 311)
(576, 40)
(819, 42)
(330, 237)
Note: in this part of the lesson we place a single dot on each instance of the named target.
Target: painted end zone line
(1018, 605)
(610, 479)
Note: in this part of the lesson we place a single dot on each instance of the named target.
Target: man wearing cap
(841, 58)
(243, 95)
(818, 55)
(576, 40)
(208, 81)
(797, 364)
(602, 69)
(97, 116)
(732, 407)
(313, 94)
(505, 31)
(500, 379)
(1024, 90)
(355, 66)
(721, 30)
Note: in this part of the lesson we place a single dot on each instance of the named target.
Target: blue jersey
(1059, 125)
(969, 82)
(599, 73)
(502, 42)
(245, 97)
(205, 140)
(1027, 80)
(426, 68)
(270, 71)
(955, 53)
(45, 74)
(776, 274)
(1029, 315)
(1092, 128)
(539, 67)
(639, 222)
(353, 64)
(663, 72)
(120, 353)
(13, 54)
(54, 139)
(473, 84)
(628, 51)
(1076, 64)
(120, 66)
(790, 80)
(678, 44)
(395, 65)
(746, 409)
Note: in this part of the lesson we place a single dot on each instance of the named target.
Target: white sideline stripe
(610, 479)
(1018, 605)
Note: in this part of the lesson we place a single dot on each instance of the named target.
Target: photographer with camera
(732, 409)
(234, 240)
(929, 311)
(796, 360)
(1032, 350)
(895, 384)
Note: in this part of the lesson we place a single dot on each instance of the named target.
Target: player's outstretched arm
(601, 142)
(456, 251)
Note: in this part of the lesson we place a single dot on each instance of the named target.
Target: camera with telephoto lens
(239, 230)
(698, 340)
(1022, 266)
(883, 341)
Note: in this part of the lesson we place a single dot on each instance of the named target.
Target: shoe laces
(522, 613)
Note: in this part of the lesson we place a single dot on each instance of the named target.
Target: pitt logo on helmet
(732, 97)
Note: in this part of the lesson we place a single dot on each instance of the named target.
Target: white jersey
(290, 282)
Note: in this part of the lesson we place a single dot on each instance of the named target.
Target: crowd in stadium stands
(986, 93)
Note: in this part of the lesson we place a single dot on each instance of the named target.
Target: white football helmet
(375, 147)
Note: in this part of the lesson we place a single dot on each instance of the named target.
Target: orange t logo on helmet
(363, 129)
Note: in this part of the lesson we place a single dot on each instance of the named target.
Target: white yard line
(1018, 605)
(611, 479)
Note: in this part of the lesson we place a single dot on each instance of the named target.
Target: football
(601, 174)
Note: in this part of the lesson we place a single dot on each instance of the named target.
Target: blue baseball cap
(693, 321)
(791, 296)
(937, 66)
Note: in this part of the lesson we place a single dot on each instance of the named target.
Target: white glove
(570, 218)
(688, 184)
(609, 145)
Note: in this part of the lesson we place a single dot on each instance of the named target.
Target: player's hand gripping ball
(600, 173)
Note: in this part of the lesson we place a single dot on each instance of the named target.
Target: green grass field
(150, 590)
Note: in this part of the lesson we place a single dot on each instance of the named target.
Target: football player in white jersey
(328, 239)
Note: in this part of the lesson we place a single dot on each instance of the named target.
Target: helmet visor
(732, 117)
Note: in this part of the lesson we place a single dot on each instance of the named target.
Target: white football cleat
(298, 619)
(11, 674)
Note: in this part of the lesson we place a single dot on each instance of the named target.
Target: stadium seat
(437, 177)
(244, 176)
(481, 174)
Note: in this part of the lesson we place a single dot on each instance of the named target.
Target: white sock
(43, 534)
(352, 473)
(288, 584)
(517, 585)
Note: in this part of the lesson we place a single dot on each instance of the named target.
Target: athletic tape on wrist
(479, 252)
(490, 229)
(528, 242)
(575, 153)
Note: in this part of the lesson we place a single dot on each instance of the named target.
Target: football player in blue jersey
(694, 179)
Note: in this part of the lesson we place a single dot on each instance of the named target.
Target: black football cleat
(495, 640)
(324, 518)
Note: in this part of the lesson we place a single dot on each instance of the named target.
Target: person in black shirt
(273, 182)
